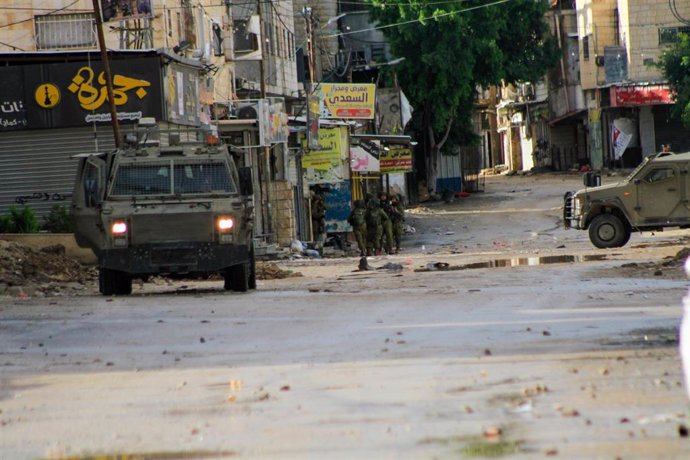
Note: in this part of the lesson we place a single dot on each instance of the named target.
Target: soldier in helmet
(358, 220)
(375, 219)
(397, 217)
(388, 224)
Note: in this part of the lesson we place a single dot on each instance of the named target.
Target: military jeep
(653, 197)
(179, 210)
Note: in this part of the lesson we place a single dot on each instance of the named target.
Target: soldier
(375, 218)
(388, 224)
(318, 218)
(397, 217)
(358, 220)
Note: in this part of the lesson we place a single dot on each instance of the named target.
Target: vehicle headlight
(225, 224)
(119, 230)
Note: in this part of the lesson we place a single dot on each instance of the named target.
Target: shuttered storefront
(36, 165)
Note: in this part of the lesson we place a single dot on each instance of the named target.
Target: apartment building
(628, 100)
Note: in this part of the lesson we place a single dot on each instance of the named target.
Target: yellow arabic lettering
(91, 98)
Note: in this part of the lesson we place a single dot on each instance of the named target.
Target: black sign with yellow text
(70, 94)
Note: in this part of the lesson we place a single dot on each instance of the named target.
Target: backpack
(373, 217)
(359, 217)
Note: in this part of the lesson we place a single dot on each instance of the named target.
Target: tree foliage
(451, 48)
(675, 65)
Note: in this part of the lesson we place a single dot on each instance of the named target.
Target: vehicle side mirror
(246, 185)
(591, 179)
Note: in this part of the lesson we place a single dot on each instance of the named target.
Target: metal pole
(106, 70)
(267, 150)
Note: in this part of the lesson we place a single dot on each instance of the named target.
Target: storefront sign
(630, 96)
(365, 157)
(347, 100)
(326, 165)
(74, 94)
(396, 160)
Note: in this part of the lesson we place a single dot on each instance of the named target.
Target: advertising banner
(633, 96)
(326, 165)
(347, 100)
(74, 94)
(396, 160)
(273, 121)
(365, 157)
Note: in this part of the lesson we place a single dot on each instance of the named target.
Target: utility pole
(267, 150)
(106, 70)
(312, 101)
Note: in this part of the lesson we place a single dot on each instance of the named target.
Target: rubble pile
(43, 269)
(271, 271)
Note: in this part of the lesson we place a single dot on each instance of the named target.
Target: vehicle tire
(237, 278)
(124, 284)
(113, 282)
(252, 269)
(107, 280)
(608, 231)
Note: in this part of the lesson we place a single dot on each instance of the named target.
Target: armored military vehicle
(181, 209)
(653, 197)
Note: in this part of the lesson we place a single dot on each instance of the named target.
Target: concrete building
(627, 97)
(168, 61)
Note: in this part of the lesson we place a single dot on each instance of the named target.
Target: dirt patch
(46, 270)
(271, 271)
(669, 267)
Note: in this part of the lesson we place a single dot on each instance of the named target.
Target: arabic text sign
(347, 100)
(396, 161)
(364, 158)
(62, 94)
(640, 95)
(330, 153)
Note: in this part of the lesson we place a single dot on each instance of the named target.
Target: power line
(388, 26)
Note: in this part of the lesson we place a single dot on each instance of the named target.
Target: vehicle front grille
(173, 256)
(172, 227)
(568, 209)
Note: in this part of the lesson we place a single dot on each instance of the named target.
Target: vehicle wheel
(252, 269)
(124, 284)
(237, 278)
(608, 231)
(113, 282)
(106, 281)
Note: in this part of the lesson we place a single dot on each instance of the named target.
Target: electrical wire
(412, 21)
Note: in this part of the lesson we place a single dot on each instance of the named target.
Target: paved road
(574, 360)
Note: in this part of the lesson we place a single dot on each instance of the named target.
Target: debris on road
(271, 271)
(48, 270)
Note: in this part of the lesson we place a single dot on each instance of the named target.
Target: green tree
(675, 65)
(451, 49)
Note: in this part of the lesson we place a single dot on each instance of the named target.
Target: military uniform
(375, 219)
(397, 217)
(358, 220)
(388, 224)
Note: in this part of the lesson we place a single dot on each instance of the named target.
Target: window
(658, 175)
(188, 177)
(169, 14)
(92, 187)
(585, 47)
(57, 31)
(669, 35)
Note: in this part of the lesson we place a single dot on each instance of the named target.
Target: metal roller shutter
(36, 165)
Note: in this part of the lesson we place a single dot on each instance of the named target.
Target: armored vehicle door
(660, 189)
(87, 199)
